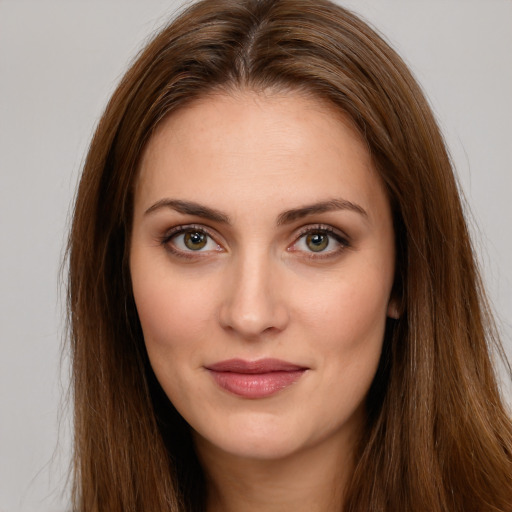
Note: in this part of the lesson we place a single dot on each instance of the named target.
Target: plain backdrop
(60, 61)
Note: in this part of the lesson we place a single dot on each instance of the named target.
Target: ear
(393, 309)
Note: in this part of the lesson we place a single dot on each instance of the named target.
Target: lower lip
(256, 385)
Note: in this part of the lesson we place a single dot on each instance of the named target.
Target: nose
(253, 302)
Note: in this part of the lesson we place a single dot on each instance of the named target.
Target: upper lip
(252, 367)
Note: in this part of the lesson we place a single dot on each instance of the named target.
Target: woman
(273, 298)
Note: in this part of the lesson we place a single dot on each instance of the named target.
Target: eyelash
(180, 230)
(322, 229)
(339, 238)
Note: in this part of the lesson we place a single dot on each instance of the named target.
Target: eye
(320, 241)
(186, 240)
(195, 240)
(317, 241)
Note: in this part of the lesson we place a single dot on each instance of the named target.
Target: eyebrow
(288, 216)
(322, 207)
(190, 208)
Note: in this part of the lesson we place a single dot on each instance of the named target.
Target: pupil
(195, 240)
(317, 241)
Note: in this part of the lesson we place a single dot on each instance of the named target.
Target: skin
(258, 290)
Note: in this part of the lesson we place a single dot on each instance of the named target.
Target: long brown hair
(438, 437)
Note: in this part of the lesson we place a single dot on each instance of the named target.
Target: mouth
(255, 379)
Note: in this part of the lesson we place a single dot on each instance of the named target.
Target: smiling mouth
(255, 379)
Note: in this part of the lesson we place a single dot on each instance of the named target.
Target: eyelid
(341, 238)
(175, 230)
(182, 228)
(326, 228)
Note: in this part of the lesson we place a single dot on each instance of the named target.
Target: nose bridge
(252, 305)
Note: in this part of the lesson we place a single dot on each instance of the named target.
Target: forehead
(252, 148)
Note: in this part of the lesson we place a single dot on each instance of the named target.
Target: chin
(267, 437)
(260, 448)
(261, 437)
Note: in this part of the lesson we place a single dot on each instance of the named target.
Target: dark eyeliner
(339, 237)
(177, 230)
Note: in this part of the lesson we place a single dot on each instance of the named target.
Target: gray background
(59, 62)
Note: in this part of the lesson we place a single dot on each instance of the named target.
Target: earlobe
(393, 309)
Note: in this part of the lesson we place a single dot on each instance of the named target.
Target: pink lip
(255, 379)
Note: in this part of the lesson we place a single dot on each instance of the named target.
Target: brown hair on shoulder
(438, 437)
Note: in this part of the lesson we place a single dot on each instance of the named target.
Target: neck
(311, 480)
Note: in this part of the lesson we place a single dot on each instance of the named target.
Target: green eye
(317, 242)
(195, 240)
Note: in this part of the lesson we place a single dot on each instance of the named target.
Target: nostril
(251, 305)
(252, 321)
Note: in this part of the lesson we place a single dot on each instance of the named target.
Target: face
(262, 262)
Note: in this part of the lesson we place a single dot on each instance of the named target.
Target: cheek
(354, 323)
(173, 314)
(350, 311)
(348, 321)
